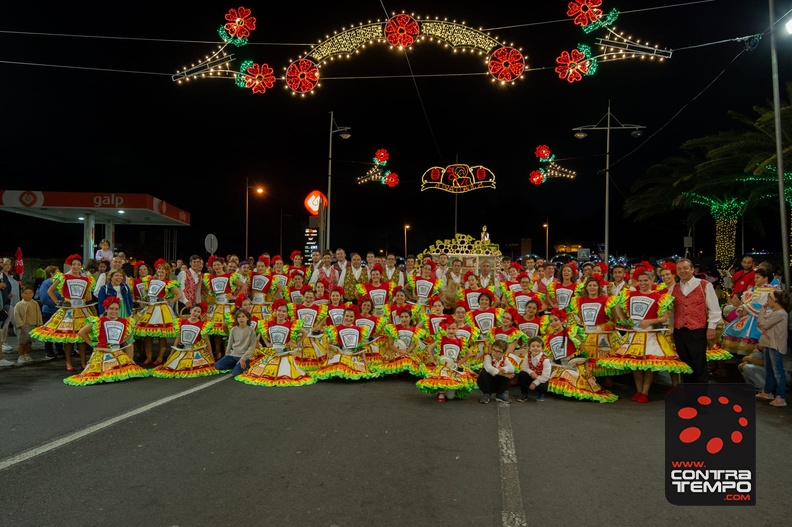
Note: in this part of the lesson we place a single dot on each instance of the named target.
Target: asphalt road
(214, 451)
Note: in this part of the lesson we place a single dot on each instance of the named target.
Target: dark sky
(193, 145)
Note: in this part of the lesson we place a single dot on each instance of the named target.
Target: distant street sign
(210, 243)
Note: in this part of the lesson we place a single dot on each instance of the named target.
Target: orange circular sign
(313, 201)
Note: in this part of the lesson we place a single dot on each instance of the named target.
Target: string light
(375, 173)
(726, 212)
(552, 170)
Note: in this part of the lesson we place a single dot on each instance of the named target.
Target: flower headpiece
(467, 275)
(239, 299)
(431, 263)
(294, 253)
(264, 259)
(671, 266)
(434, 299)
(560, 313)
(377, 267)
(339, 290)
(202, 305)
(158, 262)
(638, 272)
(214, 257)
(278, 303)
(276, 258)
(73, 257)
(111, 300)
(603, 267)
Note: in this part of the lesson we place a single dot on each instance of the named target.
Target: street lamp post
(259, 190)
(779, 143)
(547, 240)
(637, 131)
(343, 131)
(405, 240)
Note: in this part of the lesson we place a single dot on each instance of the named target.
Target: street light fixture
(406, 228)
(343, 132)
(259, 190)
(547, 240)
(637, 131)
(779, 138)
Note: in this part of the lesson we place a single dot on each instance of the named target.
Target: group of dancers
(455, 332)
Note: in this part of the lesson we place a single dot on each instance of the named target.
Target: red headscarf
(73, 257)
(111, 300)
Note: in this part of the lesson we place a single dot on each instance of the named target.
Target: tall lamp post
(779, 143)
(259, 190)
(637, 131)
(342, 131)
(406, 227)
(547, 240)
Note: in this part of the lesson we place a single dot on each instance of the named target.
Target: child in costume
(191, 355)
(220, 288)
(426, 285)
(535, 371)
(314, 343)
(111, 339)
(365, 317)
(27, 316)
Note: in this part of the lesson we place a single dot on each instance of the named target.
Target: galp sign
(108, 201)
(313, 201)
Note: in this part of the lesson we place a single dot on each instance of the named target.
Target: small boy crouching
(495, 375)
(535, 371)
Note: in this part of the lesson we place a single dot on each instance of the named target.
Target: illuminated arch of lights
(505, 63)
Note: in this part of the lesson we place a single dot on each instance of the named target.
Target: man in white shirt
(391, 273)
(615, 287)
(442, 266)
(696, 315)
(341, 261)
(191, 281)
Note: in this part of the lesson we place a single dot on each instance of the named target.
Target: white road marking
(513, 514)
(52, 445)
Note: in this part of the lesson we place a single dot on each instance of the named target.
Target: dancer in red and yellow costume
(426, 285)
(277, 366)
(346, 355)
(191, 355)
(570, 376)
(472, 291)
(111, 339)
(314, 343)
(470, 333)
(220, 288)
(378, 291)
(508, 332)
(559, 294)
(449, 379)
(594, 311)
(485, 317)
(364, 316)
(645, 350)
(260, 289)
(518, 298)
(392, 311)
(530, 323)
(405, 346)
(157, 319)
(73, 314)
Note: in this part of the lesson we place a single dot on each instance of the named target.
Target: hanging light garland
(376, 173)
(581, 62)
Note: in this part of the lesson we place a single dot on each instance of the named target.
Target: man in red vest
(696, 315)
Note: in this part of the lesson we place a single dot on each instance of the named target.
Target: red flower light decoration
(585, 11)
(401, 30)
(572, 65)
(259, 78)
(537, 177)
(240, 23)
(392, 179)
(302, 75)
(435, 174)
(543, 151)
(382, 155)
(506, 64)
(481, 174)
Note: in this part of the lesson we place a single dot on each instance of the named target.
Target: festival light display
(573, 65)
(505, 63)
(376, 173)
(458, 178)
(551, 169)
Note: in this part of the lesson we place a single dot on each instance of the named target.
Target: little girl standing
(773, 323)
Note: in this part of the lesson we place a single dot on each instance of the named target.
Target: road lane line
(513, 513)
(52, 445)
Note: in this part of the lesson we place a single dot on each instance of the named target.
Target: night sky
(193, 145)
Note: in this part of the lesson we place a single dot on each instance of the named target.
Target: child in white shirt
(496, 374)
(535, 371)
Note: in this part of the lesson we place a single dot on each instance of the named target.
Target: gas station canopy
(72, 207)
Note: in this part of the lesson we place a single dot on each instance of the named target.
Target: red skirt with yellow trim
(277, 370)
(107, 366)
